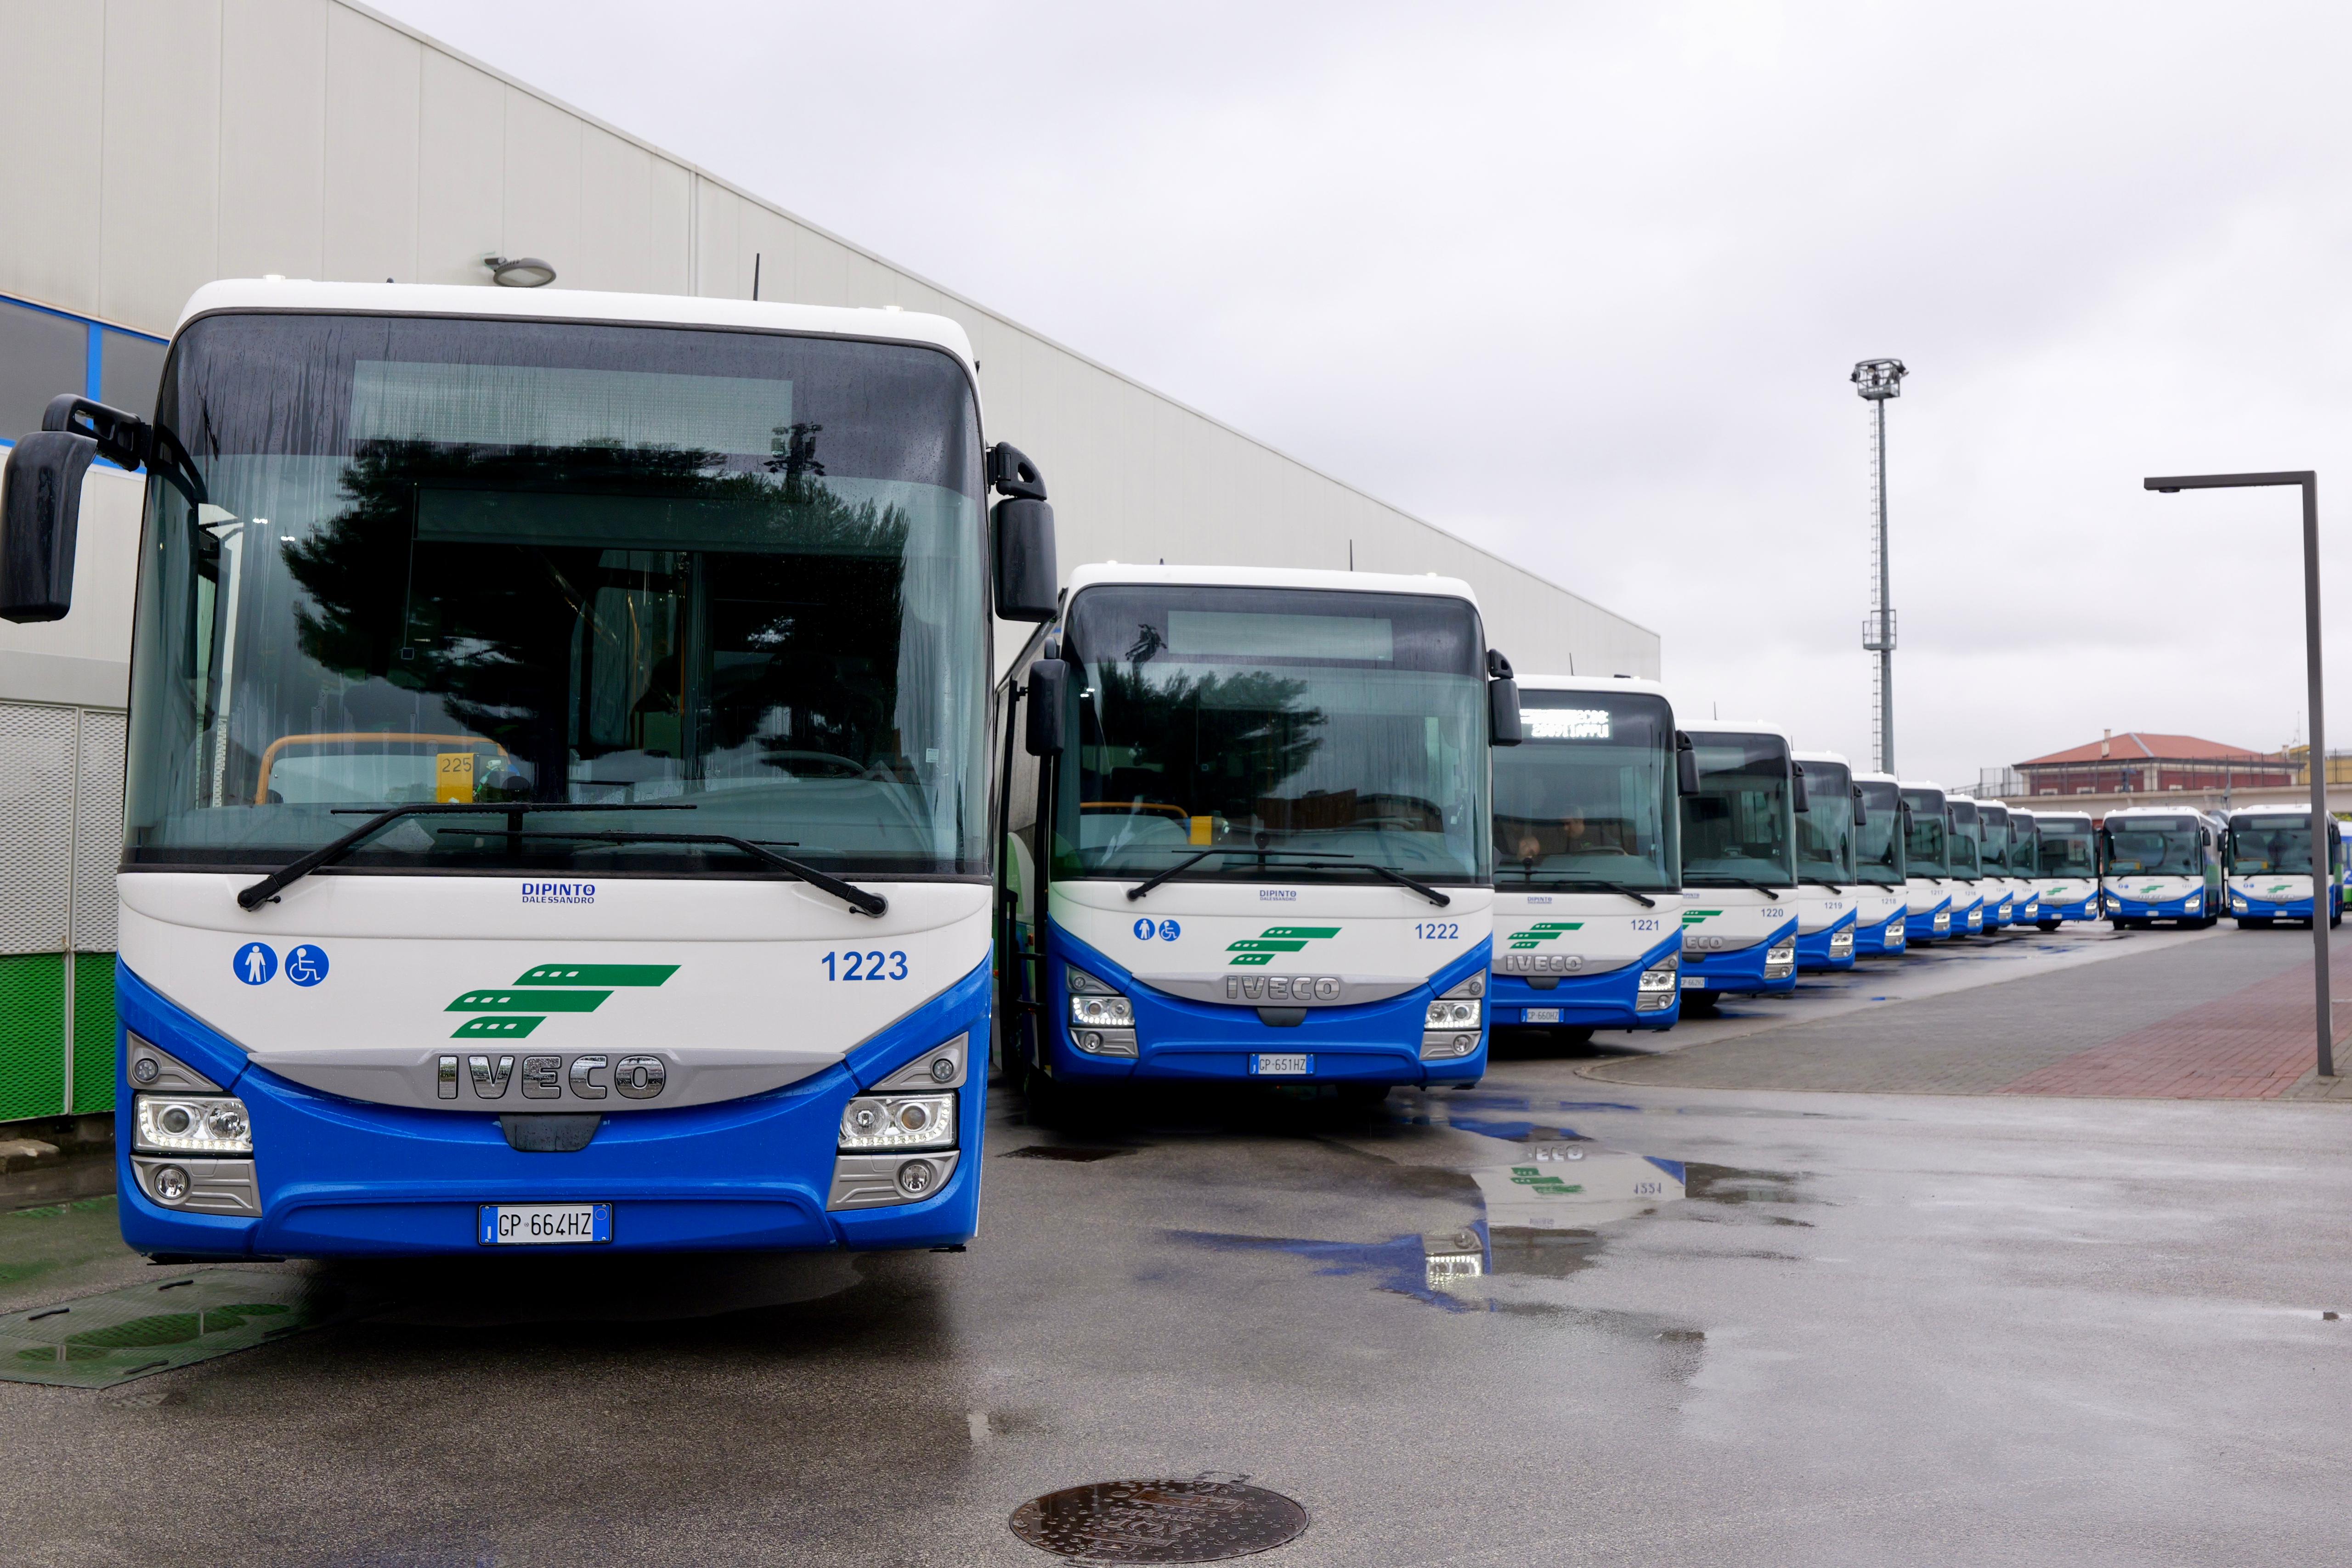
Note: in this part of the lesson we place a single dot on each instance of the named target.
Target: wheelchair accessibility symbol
(305, 965)
(254, 963)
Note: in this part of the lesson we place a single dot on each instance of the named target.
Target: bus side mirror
(1049, 685)
(39, 520)
(1861, 815)
(1686, 765)
(1503, 724)
(1027, 576)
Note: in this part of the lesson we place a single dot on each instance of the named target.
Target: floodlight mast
(1876, 380)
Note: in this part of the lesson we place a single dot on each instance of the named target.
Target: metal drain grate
(1199, 1520)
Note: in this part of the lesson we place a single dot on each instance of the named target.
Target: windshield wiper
(1822, 882)
(1719, 879)
(285, 876)
(856, 897)
(1333, 857)
(1602, 882)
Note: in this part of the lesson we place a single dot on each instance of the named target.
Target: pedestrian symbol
(305, 965)
(254, 963)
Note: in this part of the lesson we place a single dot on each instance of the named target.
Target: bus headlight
(2237, 904)
(2196, 903)
(1654, 991)
(1942, 921)
(192, 1124)
(1841, 942)
(898, 1122)
(1094, 1005)
(1452, 1013)
(1780, 960)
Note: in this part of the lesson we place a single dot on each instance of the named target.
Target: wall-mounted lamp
(519, 272)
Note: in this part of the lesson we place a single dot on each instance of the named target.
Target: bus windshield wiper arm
(1719, 879)
(285, 876)
(1605, 885)
(856, 897)
(1141, 888)
(1822, 882)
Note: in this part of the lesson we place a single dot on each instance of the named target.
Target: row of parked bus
(567, 803)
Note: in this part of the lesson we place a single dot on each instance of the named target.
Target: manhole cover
(1159, 1522)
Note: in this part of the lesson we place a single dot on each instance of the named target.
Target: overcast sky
(1584, 284)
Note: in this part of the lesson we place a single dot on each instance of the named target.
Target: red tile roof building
(2140, 762)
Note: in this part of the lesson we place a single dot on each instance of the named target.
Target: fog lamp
(170, 1183)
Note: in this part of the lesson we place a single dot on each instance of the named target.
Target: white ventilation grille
(97, 832)
(37, 809)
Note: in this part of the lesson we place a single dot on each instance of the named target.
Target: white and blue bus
(558, 769)
(1829, 908)
(1882, 901)
(2023, 838)
(1995, 886)
(2268, 854)
(1255, 802)
(1966, 858)
(1587, 862)
(2066, 869)
(2155, 863)
(1933, 899)
(1739, 864)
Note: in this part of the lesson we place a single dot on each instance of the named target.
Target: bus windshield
(1963, 848)
(1879, 842)
(2021, 835)
(1825, 827)
(2152, 846)
(1588, 796)
(2064, 847)
(1992, 835)
(1323, 725)
(2278, 846)
(1926, 845)
(478, 561)
(1736, 829)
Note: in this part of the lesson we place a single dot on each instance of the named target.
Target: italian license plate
(1271, 1064)
(1541, 1015)
(544, 1224)
(1694, 982)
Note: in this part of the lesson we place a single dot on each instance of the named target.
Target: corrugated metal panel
(97, 832)
(36, 789)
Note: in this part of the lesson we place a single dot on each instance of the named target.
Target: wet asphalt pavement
(1548, 1321)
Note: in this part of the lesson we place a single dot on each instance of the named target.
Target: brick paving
(2225, 1018)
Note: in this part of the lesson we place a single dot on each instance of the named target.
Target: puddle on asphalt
(1548, 1200)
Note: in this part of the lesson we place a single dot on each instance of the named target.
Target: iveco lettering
(558, 770)
(1197, 739)
(1587, 862)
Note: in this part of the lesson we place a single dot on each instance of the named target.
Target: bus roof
(1731, 726)
(301, 294)
(1923, 784)
(1096, 573)
(1862, 777)
(1591, 684)
(1827, 757)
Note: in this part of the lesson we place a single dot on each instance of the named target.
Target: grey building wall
(154, 145)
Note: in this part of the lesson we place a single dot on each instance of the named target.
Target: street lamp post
(1876, 380)
(2321, 870)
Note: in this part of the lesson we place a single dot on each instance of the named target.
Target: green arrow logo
(1693, 916)
(1259, 950)
(1542, 931)
(510, 1012)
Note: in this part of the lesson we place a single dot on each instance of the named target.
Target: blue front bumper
(347, 1179)
(1590, 1001)
(2189, 906)
(2246, 907)
(1378, 1042)
(1813, 952)
(2084, 908)
(1740, 972)
(1885, 938)
(1930, 925)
